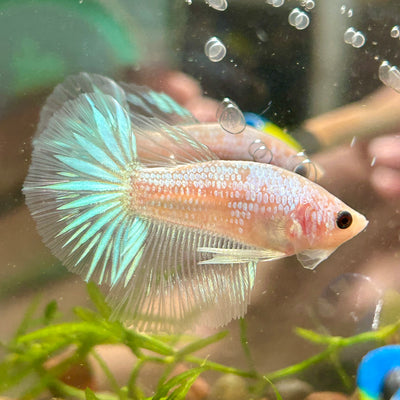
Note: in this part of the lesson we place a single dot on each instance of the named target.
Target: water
(215, 50)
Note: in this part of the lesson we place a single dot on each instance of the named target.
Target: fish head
(318, 228)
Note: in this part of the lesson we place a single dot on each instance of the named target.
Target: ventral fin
(145, 101)
(310, 259)
(170, 290)
(237, 256)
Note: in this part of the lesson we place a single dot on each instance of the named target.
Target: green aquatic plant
(39, 338)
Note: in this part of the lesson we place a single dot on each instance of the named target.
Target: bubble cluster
(355, 38)
(260, 152)
(276, 3)
(230, 117)
(395, 32)
(219, 5)
(389, 75)
(307, 4)
(299, 19)
(214, 49)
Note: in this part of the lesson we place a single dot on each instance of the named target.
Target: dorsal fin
(145, 101)
(160, 144)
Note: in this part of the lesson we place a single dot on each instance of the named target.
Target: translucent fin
(310, 259)
(237, 256)
(74, 86)
(77, 188)
(142, 100)
(169, 289)
(162, 145)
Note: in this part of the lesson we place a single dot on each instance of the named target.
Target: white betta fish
(137, 204)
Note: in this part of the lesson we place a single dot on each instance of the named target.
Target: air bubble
(302, 165)
(188, 2)
(358, 40)
(260, 152)
(215, 50)
(276, 3)
(395, 32)
(219, 5)
(230, 117)
(292, 16)
(389, 75)
(350, 12)
(383, 72)
(348, 35)
(355, 38)
(342, 9)
(355, 299)
(309, 5)
(299, 19)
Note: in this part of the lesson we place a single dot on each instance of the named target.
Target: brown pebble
(326, 396)
(290, 389)
(200, 388)
(229, 387)
(78, 375)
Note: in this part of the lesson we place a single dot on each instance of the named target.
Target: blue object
(373, 371)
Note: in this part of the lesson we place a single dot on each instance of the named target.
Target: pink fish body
(139, 205)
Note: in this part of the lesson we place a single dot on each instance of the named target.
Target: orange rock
(326, 396)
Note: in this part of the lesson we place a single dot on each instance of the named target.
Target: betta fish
(133, 202)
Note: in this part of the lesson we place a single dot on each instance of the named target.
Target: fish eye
(344, 219)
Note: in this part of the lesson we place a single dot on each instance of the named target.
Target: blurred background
(304, 79)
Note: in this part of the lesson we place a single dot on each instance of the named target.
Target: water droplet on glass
(358, 40)
(395, 32)
(230, 117)
(276, 3)
(350, 12)
(309, 5)
(348, 35)
(219, 5)
(215, 50)
(260, 152)
(342, 9)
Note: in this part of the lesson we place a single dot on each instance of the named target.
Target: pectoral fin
(238, 256)
(311, 258)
